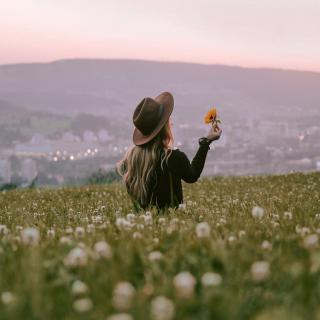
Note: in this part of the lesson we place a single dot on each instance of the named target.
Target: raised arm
(189, 172)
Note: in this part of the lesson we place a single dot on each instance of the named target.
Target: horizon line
(162, 61)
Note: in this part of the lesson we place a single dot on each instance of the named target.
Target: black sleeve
(180, 164)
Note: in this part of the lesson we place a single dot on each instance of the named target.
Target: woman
(151, 169)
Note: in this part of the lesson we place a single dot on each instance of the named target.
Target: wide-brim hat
(150, 116)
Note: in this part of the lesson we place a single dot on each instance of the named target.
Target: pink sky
(265, 33)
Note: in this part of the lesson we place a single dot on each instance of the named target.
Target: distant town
(247, 147)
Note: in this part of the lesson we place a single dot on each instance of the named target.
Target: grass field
(240, 248)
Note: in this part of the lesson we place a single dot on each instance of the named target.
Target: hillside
(111, 86)
(240, 248)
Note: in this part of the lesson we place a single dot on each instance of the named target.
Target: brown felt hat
(150, 116)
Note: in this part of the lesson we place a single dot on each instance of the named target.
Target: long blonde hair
(138, 165)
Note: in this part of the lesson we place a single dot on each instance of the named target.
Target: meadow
(238, 248)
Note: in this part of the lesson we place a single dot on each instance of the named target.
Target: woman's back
(180, 168)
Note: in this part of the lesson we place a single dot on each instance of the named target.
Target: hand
(214, 133)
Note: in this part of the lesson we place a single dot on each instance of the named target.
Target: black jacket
(181, 169)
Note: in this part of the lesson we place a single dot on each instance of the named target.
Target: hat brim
(165, 98)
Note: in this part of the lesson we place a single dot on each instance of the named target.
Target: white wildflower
(257, 212)
(79, 232)
(155, 255)
(232, 239)
(79, 287)
(69, 230)
(103, 249)
(7, 297)
(162, 221)
(65, 240)
(311, 241)
(3, 229)
(120, 316)
(182, 206)
(97, 219)
(82, 305)
(266, 245)
(303, 231)
(123, 224)
(76, 257)
(260, 270)
(162, 308)
(184, 284)
(287, 215)
(51, 233)
(148, 220)
(203, 230)
(211, 279)
(30, 236)
(137, 235)
(131, 217)
(123, 294)
(242, 233)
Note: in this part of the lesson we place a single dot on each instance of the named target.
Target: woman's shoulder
(177, 152)
(176, 156)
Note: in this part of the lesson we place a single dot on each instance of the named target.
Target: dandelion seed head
(257, 212)
(184, 283)
(120, 316)
(123, 294)
(155, 255)
(203, 230)
(103, 249)
(77, 257)
(79, 288)
(211, 279)
(30, 236)
(266, 245)
(311, 241)
(260, 270)
(7, 297)
(79, 232)
(82, 305)
(162, 308)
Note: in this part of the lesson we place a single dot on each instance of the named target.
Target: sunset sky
(265, 33)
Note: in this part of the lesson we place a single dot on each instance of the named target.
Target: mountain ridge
(114, 86)
(160, 61)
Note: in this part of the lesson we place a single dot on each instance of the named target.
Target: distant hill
(114, 87)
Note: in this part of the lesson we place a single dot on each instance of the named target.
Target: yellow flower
(211, 115)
